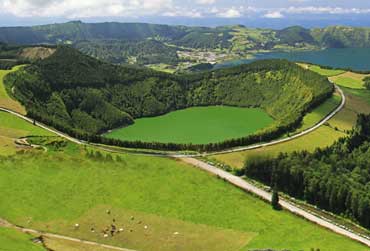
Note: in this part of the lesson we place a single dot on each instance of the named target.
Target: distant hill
(151, 43)
(80, 94)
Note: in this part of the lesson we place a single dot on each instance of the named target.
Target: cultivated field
(160, 204)
(322, 137)
(5, 100)
(198, 125)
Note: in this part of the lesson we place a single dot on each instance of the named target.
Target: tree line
(336, 178)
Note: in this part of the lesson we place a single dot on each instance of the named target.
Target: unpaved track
(239, 182)
(5, 223)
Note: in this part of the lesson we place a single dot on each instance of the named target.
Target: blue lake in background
(354, 58)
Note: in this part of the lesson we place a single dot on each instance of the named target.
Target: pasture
(198, 125)
(13, 240)
(5, 100)
(349, 80)
(12, 128)
(325, 72)
(160, 204)
(324, 136)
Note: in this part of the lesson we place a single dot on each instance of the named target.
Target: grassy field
(197, 125)
(324, 72)
(315, 116)
(161, 204)
(322, 137)
(5, 100)
(12, 128)
(13, 240)
(349, 80)
(66, 245)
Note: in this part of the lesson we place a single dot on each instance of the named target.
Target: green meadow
(160, 203)
(198, 125)
(325, 72)
(5, 100)
(13, 240)
(12, 128)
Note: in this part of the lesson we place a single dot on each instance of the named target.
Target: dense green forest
(9, 56)
(80, 94)
(336, 178)
(120, 51)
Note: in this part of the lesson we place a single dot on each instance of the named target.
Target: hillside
(335, 178)
(152, 43)
(80, 94)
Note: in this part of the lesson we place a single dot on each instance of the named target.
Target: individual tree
(275, 199)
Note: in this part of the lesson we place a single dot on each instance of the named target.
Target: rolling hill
(152, 43)
(81, 95)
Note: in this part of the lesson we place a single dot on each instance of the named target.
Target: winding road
(235, 180)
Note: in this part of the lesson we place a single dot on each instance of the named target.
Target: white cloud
(205, 1)
(229, 13)
(325, 10)
(273, 14)
(183, 13)
(83, 8)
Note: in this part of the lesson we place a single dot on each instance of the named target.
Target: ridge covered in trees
(84, 96)
(336, 178)
(118, 42)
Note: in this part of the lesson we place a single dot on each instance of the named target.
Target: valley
(136, 142)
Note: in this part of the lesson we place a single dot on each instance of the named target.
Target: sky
(261, 13)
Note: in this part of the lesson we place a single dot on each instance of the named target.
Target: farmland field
(154, 200)
(196, 125)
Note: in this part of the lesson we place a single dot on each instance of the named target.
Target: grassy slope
(197, 125)
(5, 100)
(322, 137)
(165, 195)
(12, 128)
(13, 240)
(349, 80)
(325, 72)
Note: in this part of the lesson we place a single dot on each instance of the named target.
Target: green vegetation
(179, 204)
(325, 71)
(198, 125)
(335, 178)
(358, 101)
(367, 83)
(12, 128)
(13, 240)
(5, 100)
(316, 115)
(118, 42)
(83, 96)
(118, 52)
(350, 80)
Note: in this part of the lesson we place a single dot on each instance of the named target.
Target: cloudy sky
(23, 12)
